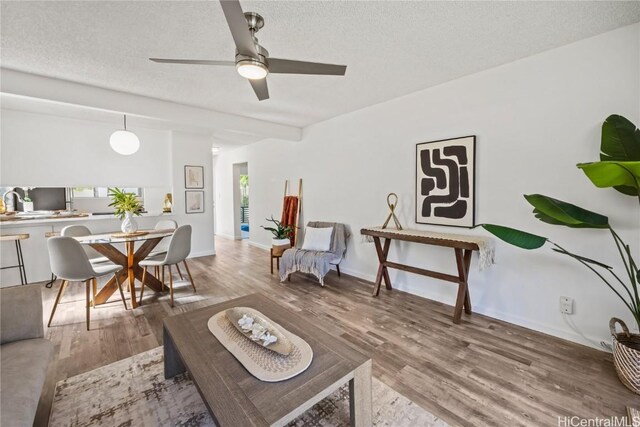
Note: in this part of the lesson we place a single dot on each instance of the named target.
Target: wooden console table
(463, 247)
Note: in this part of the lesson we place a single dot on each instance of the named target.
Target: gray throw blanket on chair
(315, 262)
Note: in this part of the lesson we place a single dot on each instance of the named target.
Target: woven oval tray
(262, 363)
(282, 345)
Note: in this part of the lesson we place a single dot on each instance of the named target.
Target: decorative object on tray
(194, 201)
(132, 234)
(445, 182)
(126, 206)
(254, 326)
(392, 208)
(269, 363)
(193, 176)
(626, 355)
(168, 203)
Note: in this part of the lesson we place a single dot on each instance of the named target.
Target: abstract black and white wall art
(445, 182)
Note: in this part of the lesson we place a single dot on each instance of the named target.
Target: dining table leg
(131, 269)
(131, 273)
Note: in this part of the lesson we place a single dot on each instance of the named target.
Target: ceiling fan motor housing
(254, 20)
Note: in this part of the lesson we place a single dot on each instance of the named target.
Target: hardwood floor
(481, 372)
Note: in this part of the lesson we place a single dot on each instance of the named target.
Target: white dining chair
(163, 246)
(95, 257)
(70, 263)
(179, 249)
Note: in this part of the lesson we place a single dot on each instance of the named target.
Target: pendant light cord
(125, 122)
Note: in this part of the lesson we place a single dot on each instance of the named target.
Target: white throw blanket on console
(486, 245)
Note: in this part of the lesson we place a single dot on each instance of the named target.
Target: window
(96, 199)
(99, 192)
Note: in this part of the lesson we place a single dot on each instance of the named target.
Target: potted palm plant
(619, 168)
(126, 206)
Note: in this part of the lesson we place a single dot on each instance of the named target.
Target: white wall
(195, 150)
(534, 120)
(45, 150)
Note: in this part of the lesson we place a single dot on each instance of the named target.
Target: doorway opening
(241, 200)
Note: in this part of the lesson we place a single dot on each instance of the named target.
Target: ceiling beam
(67, 92)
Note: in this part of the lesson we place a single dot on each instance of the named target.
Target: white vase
(129, 225)
(27, 206)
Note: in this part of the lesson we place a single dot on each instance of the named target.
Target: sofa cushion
(23, 368)
(21, 313)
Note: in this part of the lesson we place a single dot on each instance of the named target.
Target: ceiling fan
(252, 60)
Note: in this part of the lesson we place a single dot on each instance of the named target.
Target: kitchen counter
(37, 219)
(28, 216)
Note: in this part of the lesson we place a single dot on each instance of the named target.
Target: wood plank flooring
(481, 372)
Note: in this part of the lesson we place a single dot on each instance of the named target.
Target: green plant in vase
(281, 233)
(126, 205)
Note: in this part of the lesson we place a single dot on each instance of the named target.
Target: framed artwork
(445, 182)
(193, 176)
(194, 201)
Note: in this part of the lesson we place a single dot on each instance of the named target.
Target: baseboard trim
(227, 236)
(544, 328)
(258, 245)
(201, 254)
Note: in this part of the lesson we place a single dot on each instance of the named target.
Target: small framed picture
(194, 201)
(193, 176)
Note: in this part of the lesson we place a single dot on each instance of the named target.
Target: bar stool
(50, 283)
(20, 266)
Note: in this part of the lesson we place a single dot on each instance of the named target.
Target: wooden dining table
(104, 244)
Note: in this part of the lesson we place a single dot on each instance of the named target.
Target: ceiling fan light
(252, 70)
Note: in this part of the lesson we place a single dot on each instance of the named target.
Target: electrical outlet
(566, 305)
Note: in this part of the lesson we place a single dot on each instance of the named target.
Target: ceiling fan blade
(191, 61)
(239, 27)
(260, 88)
(288, 66)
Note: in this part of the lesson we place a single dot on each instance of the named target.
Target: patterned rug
(133, 392)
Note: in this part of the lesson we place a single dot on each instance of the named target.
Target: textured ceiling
(391, 48)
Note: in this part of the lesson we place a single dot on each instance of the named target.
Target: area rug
(133, 392)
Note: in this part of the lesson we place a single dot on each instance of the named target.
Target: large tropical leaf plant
(619, 168)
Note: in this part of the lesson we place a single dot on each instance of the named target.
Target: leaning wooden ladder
(277, 251)
(295, 223)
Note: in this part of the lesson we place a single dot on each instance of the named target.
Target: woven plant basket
(626, 355)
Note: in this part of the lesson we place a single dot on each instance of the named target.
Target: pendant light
(123, 141)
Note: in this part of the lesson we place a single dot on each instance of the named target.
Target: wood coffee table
(234, 397)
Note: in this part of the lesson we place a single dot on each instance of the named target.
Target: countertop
(49, 219)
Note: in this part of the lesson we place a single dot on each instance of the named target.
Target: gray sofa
(24, 354)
